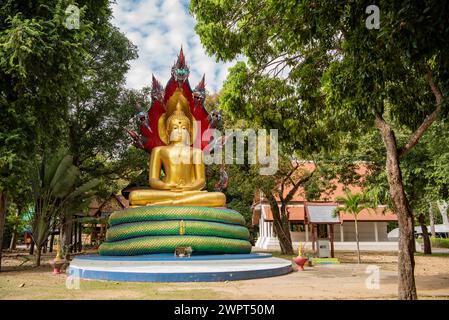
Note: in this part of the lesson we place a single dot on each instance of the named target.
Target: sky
(158, 28)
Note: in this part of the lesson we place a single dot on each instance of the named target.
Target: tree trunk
(413, 232)
(432, 221)
(32, 247)
(52, 240)
(331, 239)
(281, 226)
(285, 224)
(13, 243)
(406, 260)
(3, 209)
(66, 243)
(80, 237)
(283, 235)
(425, 235)
(357, 238)
(38, 255)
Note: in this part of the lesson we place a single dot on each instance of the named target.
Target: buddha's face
(178, 130)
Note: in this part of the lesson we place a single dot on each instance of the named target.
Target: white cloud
(158, 29)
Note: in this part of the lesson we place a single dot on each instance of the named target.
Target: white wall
(366, 231)
(298, 236)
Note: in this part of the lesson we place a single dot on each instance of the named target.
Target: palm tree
(354, 203)
(57, 191)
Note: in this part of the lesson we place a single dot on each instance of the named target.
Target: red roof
(297, 213)
(378, 214)
(296, 208)
(331, 195)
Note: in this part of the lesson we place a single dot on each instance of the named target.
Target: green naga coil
(161, 229)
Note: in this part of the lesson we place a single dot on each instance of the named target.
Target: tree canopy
(63, 87)
(314, 70)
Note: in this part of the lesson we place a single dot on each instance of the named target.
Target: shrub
(438, 242)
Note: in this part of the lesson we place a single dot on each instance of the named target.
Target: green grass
(44, 285)
(437, 242)
(443, 255)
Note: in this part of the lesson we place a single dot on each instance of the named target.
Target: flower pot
(300, 261)
(57, 264)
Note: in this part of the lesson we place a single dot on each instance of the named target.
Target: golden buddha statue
(183, 165)
(174, 211)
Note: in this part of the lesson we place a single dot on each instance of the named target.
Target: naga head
(180, 71)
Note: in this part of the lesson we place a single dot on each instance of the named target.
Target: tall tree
(99, 112)
(42, 63)
(315, 65)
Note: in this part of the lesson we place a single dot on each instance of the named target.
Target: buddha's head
(179, 127)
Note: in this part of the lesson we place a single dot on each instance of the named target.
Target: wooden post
(376, 232)
(93, 234)
(331, 238)
(314, 238)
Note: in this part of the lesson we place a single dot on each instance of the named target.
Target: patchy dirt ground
(348, 280)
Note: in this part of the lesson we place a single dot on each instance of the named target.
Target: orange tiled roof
(378, 214)
(297, 214)
(330, 196)
(327, 198)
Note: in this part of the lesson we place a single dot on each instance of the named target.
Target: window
(297, 227)
(322, 231)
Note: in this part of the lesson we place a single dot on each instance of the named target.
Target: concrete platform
(167, 268)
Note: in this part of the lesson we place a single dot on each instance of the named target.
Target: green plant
(57, 193)
(437, 242)
(354, 203)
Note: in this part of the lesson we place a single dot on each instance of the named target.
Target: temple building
(100, 210)
(312, 221)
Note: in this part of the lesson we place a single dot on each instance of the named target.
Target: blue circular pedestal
(168, 268)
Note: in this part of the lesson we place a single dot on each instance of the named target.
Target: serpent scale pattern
(172, 227)
(168, 244)
(151, 213)
(161, 229)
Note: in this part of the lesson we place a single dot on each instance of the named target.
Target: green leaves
(42, 64)
(354, 203)
(84, 188)
(57, 191)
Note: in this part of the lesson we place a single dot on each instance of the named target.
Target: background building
(373, 224)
